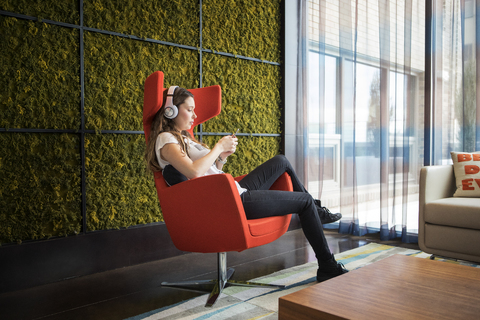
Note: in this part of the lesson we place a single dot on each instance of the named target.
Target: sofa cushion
(453, 242)
(455, 212)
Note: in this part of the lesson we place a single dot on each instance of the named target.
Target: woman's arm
(193, 169)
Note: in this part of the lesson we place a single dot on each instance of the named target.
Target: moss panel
(174, 21)
(115, 72)
(249, 28)
(119, 191)
(39, 75)
(251, 152)
(62, 11)
(40, 186)
(251, 97)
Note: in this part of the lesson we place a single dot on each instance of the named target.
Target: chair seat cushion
(264, 226)
(454, 212)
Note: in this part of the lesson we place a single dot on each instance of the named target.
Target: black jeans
(260, 202)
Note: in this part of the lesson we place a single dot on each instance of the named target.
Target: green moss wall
(39, 75)
(40, 186)
(40, 88)
(63, 11)
(115, 71)
(250, 94)
(247, 28)
(118, 193)
(173, 21)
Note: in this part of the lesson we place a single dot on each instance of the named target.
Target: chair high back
(208, 104)
(208, 101)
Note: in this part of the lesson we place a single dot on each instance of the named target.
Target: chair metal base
(216, 286)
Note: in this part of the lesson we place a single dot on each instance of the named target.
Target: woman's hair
(162, 124)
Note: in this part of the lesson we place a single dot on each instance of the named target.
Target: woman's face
(186, 115)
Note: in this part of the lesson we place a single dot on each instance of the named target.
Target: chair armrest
(239, 178)
(214, 212)
(284, 182)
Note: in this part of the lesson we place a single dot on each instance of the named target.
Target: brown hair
(162, 124)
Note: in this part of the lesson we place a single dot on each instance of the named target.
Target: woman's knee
(280, 158)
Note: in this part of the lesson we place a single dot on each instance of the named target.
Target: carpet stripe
(233, 311)
(262, 316)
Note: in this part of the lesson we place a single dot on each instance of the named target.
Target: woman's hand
(228, 145)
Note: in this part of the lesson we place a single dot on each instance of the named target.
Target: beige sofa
(448, 226)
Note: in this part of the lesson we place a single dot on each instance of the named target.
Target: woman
(171, 144)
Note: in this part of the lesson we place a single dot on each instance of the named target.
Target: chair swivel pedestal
(216, 286)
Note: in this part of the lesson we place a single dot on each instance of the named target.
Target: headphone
(171, 110)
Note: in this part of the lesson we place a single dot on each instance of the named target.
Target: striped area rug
(260, 303)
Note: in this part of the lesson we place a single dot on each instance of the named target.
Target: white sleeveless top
(195, 150)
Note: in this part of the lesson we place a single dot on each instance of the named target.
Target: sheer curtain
(453, 116)
(365, 113)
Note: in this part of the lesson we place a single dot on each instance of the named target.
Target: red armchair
(206, 214)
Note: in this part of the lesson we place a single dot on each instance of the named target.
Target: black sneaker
(325, 215)
(330, 269)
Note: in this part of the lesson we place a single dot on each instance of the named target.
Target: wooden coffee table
(397, 287)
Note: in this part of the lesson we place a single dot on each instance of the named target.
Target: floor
(126, 292)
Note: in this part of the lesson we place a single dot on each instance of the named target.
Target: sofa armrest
(436, 182)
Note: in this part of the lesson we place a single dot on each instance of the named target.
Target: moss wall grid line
(25, 130)
(131, 132)
(65, 11)
(82, 122)
(134, 37)
(60, 14)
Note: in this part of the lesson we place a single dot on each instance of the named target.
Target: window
(365, 113)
